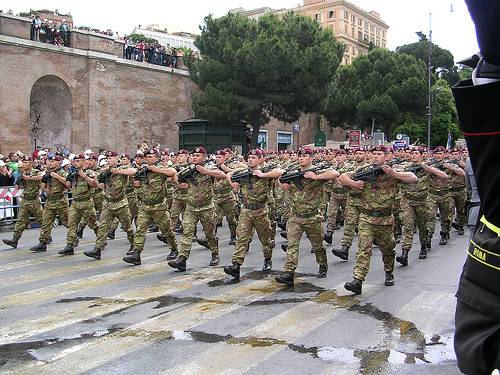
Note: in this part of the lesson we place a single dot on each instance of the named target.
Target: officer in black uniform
(477, 318)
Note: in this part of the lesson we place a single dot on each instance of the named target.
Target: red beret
(152, 152)
(111, 153)
(306, 151)
(199, 150)
(256, 151)
(439, 149)
(182, 152)
(341, 152)
(379, 148)
(80, 156)
(56, 157)
(228, 150)
(220, 152)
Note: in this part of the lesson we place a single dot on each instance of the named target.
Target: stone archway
(50, 112)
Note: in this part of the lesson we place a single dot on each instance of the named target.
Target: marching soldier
(113, 182)
(30, 203)
(353, 210)
(225, 200)
(376, 219)
(254, 214)
(305, 217)
(97, 197)
(414, 205)
(55, 184)
(180, 194)
(458, 192)
(153, 208)
(199, 207)
(169, 182)
(82, 184)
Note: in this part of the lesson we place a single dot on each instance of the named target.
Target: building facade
(166, 39)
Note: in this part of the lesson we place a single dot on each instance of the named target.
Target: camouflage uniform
(414, 209)
(30, 204)
(169, 192)
(338, 200)
(133, 206)
(55, 206)
(305, 217)
(458, 192)
(225, 204)
(352, 213)
(254, 214)
(97, 198)
(199, 207)
(179, 200)
(153, 209)
(439, 198)
(82, 207)
(376, 223)
(327, 193)
(115, 205)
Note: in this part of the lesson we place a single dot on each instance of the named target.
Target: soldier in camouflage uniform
(305, 217)
(199, 207)
(153, 208)
(169, 182)
(338, 198)
(440, 198)
(353, 207)
(55, 184)
(376, 219)
(97, 197)
(115, 203)
(327, 186)
(254, 214)
(225, 200)
(180, 194)
(30, 203)
(414, 205)
(82, 206)
(458, 191)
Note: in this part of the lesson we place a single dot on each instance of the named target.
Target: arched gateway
(50, 112)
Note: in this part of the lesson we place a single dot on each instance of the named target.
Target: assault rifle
(141, 174)
(72, 173)
(370, 173)
(104, 176)
(187, 174)
(295, 175)
(417, 168)
(242, 177)
(47, 178)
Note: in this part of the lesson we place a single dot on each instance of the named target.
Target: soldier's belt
(340, 190)
(354, 194)
(115, 199)
(129, 191)
(254, 206)
(153, 202)
(304, 215)
(376, 213)
(439, 192)
(82, 199)
(456, 189)
(55, 197)
(223, 191)
(416, 197)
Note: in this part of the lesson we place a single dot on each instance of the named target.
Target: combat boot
(233, 270)
(403, 258)
(354, 286)
(203, 243)
(134, 258)
(179, 263)
(162, 238)
(284, 247)
(68, 250)
(173, 254)
(94, 253)
(12, 243)
(268, 265)
(423, 252)
(389, 279)
(79, 232)
(130, 250)
(342, 253)
(41, 247)
(444, 239)
(461, 231)
(50, 240)
(282, 225)
(153, 229)
(328, 237)
(323, 270)
(284, 235)
(285, 278)
(232, 240)
(111, 234)
(215, 260)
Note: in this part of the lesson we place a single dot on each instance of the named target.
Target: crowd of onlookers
(108, 32)
(153, 53)
(47, 31)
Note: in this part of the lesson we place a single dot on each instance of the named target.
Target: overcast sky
(451, 30)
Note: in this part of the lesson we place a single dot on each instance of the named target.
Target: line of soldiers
(381, 194)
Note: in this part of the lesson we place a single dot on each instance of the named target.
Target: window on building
(353, 18)
(345, 29)
(372, 28)
(378, 31)
(360, 35)
(317, 17)
(262, 141)
(365, 37)
(383, 34)
(331, 14)
(366, 25)
(346, 15)
(284, 140)
(360, 22)
(352, 32)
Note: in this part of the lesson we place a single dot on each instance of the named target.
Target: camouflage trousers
(133, 206)
(351, 221)
(337, 203)
(285, 206)
(413, 213)
(98, 199)
(178, 208)
(106, 220)
(397, 211)
(189, 222)
(28, 208)
(248, 220)
(443, 204)
(228, 209)
(458, 199)
(369, 234)
(324, 203)
(271, 206)
(52, 210)
(157, 215)
(314, 231)
(168, 199)
(77, 211)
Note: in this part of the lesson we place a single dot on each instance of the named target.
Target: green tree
(251, 70)
(142, 38)
(376, 89)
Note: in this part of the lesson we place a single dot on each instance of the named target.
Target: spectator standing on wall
(64, 32)
(36, 24)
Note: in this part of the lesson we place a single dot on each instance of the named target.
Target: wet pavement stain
(267, 302)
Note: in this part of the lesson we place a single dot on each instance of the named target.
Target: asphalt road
(70, 315)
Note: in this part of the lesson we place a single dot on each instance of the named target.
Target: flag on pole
(448, 142)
